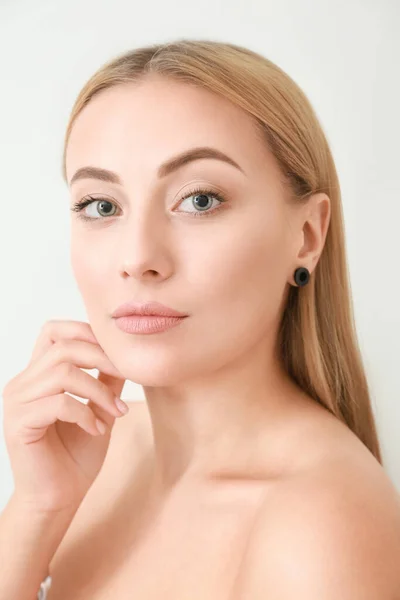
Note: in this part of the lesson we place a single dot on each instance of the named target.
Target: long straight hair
(317, 335)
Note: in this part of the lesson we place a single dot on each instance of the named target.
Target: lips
(141, 324)
(146, 309)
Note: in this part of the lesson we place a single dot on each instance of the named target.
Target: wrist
(42, 509)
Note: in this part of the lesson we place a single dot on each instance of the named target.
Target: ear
(316, 218)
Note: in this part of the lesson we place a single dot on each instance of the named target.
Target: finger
(81, 354)
(54, 330)
(115, 384)
(62, 407)
(66, 377)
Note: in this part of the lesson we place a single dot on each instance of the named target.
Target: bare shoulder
(118, 485)
(330, 531)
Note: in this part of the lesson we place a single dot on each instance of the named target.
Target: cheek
(241, 279)
(90, 271)
(241, 266)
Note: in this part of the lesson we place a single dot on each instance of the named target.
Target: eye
(201, 201)
(103, 203)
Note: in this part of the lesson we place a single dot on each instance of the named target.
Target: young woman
(207, 241)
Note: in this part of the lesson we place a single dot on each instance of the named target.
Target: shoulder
(333, 532)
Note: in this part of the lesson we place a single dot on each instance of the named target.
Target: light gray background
(345, 56)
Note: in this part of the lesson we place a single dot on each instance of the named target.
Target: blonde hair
(317, 336)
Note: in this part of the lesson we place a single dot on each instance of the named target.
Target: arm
(28, 540)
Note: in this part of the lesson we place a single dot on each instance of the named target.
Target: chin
(152, 379)
(164, 362)
(148, 371)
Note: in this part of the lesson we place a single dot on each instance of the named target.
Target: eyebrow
(164, 169)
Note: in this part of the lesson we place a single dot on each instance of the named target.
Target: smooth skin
(229, 482)
(54, 462)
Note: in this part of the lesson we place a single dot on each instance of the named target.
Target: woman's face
(225, 264)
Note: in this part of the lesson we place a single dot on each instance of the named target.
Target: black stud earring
(302, 276)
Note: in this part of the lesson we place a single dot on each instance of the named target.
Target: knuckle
(59, 349)
(7, 401)
(60, 400)
(10, 388)
(63, 402)
(7, 388)
(65, 370)
(48, 327)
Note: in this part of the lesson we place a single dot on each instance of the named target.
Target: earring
(302, 276)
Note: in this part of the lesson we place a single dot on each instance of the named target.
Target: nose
(144, 249)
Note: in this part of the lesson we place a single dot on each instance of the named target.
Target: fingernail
(121, 405)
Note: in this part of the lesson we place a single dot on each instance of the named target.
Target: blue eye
(199, 194)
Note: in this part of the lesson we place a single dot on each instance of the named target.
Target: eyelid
(199, 189)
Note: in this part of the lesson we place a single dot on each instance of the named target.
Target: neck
(222, 426)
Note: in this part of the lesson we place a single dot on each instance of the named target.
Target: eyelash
(81, 204)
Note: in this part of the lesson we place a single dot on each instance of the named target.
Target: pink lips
(150, 317)
(146, 308)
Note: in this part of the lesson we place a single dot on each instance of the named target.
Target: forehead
(142, 124)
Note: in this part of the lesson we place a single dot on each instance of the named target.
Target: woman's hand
(55, 447)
